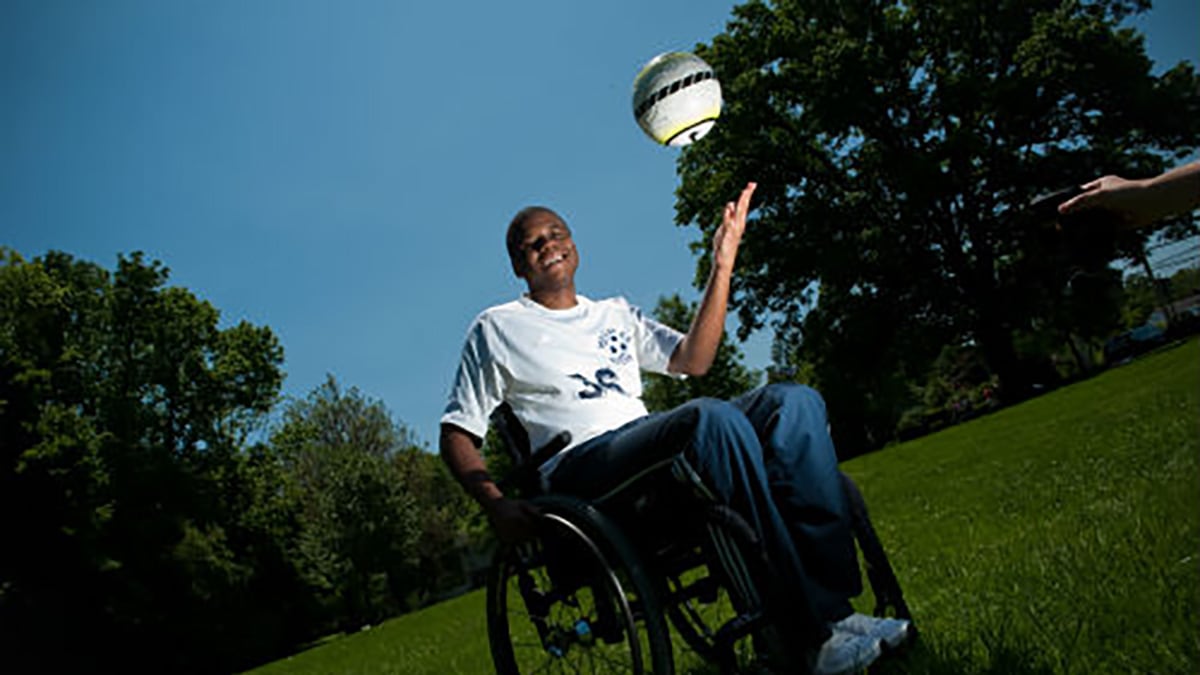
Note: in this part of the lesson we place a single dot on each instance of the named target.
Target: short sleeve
(656, 341)
(477, 389)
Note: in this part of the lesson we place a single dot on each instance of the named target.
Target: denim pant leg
(802, 470)
(722, 448)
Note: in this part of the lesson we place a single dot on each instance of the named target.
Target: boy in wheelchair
(563, 362)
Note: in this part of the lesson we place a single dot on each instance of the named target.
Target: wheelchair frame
(637, 582)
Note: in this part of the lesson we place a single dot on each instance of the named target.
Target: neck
(563, 298)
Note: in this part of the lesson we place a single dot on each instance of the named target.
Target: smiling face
(542, 251)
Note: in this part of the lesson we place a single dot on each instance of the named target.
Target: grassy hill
(1058, 536)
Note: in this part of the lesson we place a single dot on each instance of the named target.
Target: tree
(449, 522)
(1140, 297)
(123, 407)
(897, 146)
(1185, 283)
(862, 356)
(359, 520)
(726, 379)
(1138, 300)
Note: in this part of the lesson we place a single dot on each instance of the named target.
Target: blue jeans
(767, 455)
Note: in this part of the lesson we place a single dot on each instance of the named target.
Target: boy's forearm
(699, 347)
(1177, 190)
(467, 466)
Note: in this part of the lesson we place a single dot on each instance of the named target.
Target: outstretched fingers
(1083, 199)
(737, 213)
(733, 224)
(734, 218)
(743, 207)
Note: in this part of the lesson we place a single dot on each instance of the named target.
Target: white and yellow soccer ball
(676, 98)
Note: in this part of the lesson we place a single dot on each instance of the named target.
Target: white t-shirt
(574, 369)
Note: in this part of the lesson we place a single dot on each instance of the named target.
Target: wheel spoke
(554, 603)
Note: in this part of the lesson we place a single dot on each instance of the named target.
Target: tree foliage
(1140, 299)
(123, 407)
(354, 471)
(897, 148)
(381, 523)
(150, 521)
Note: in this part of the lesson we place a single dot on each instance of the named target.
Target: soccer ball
(676, 98)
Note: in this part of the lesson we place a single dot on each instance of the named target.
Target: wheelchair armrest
(525, 476)
(544, 453)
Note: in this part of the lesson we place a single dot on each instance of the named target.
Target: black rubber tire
(598, 613)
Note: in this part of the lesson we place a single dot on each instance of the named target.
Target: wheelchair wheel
(716, 605)
(699, 606)
(576, 599)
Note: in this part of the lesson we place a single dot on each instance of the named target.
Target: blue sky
(343, 171)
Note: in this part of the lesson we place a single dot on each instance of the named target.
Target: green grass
(1058, 536)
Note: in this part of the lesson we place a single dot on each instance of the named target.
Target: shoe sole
(892, 641)
(901, 643)
(875, 654)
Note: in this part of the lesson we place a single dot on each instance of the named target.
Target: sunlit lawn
(1059, 536)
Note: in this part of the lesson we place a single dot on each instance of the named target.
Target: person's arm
(513, 519)
(696, 352)
(1141, 202)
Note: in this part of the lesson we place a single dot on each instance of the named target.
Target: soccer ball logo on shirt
(615, 344)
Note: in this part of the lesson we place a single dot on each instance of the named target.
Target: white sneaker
(845, 652)
(893, 632)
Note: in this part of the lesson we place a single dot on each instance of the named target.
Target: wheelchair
(594, 590)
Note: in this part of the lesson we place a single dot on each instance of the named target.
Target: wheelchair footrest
(739, 627)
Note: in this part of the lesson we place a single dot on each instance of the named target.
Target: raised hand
(1129, 199)
(1139, 203)
(733, 225)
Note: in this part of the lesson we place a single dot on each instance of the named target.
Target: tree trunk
(1160, 289)
(1084, 365)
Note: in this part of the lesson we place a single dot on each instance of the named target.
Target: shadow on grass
(956, 659)
(999, 659)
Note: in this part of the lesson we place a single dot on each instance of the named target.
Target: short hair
(516, 231)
